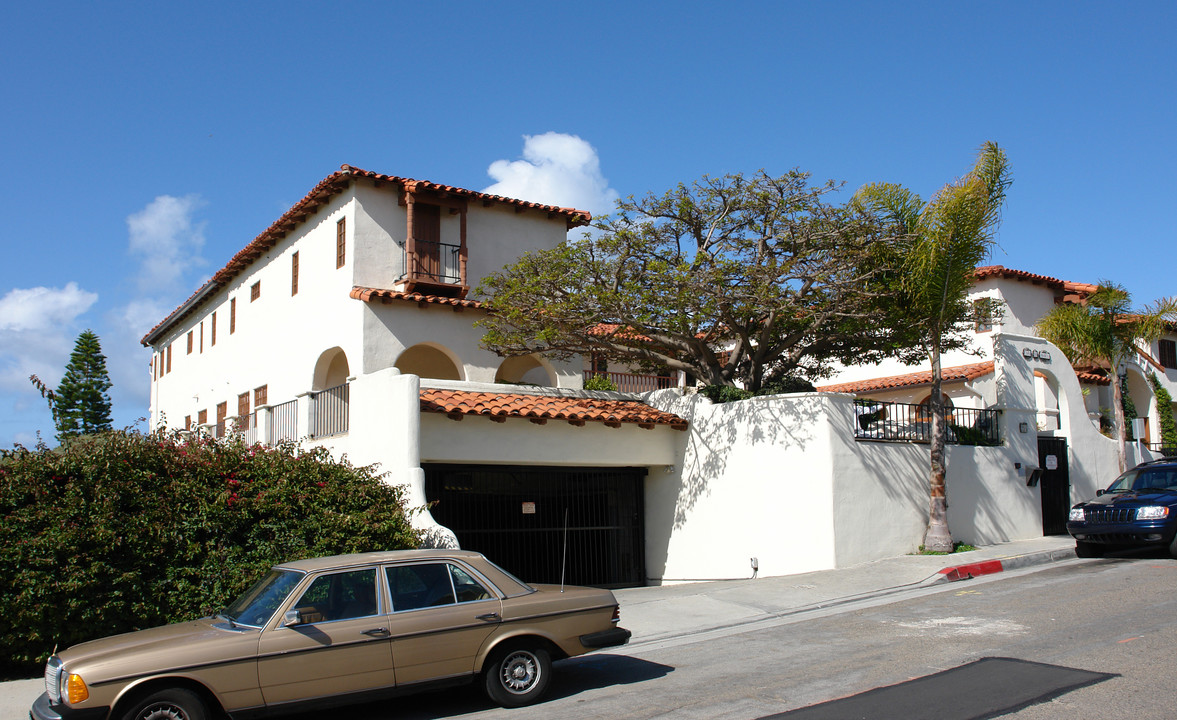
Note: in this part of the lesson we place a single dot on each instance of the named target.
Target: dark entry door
(521, 517)
(1055, 484)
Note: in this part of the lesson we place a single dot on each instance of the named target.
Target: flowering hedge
(122, 531)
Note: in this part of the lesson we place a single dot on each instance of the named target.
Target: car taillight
(616, 614)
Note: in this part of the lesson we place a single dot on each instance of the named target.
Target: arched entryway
(427, 360)
(526, 370)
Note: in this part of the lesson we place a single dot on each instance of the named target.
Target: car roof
(369, 558)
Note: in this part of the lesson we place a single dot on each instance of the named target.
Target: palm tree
(1104, 330)
(949, 236)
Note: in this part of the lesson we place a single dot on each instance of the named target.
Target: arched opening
(429, 361)
(1046, 402)
(1144, 400)
(331, 369)
(526, 370)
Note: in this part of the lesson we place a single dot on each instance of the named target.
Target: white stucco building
(348, 324)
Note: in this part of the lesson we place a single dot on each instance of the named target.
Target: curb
(988, 567)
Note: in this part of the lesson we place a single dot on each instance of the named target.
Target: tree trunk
(1121, 424)
(938, 538)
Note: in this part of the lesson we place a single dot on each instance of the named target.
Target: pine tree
(82, 405)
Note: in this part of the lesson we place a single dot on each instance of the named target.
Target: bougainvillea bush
(122, 530)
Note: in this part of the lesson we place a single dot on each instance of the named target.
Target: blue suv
(1138, 510)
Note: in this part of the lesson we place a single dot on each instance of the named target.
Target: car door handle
(376, 632)
(489, 617)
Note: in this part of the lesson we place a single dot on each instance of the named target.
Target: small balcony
(434, 268)
(634, 383)
(903, 422)
(314, 415)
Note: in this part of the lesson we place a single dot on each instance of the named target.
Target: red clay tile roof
(988, 271)
(368, 294)
(916, 379)
(319, 195)
(541, 408)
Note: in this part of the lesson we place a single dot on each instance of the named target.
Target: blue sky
(145, 143)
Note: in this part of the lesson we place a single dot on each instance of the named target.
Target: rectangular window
(259, 396)
(294, 274)
(232, 315)
(213, 325)
(222, 411)
(202, 337)
(168, 366)
(983, 312)
(340, 242)
(1169, 354)
(189, 342)
(202, 417)
(243, 404)
(255, 291)
(187, 422)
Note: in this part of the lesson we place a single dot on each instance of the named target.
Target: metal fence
(283, 423)
(903, 422)
(329, 414)
(437, 261)
(247, 428)
(633, 383)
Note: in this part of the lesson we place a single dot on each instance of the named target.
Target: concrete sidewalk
(662, 614)
(658, 614)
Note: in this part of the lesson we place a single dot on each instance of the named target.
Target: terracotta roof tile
(1075, 288)
(916, 379)
(319, 195)
(541, 408)
(368, 294)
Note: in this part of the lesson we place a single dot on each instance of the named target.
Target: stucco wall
(271, 344)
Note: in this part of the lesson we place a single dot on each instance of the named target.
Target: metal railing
(246, 427)
(436, 261)
(903, 422)
(283, 423)
(632, 382)
(329, 411)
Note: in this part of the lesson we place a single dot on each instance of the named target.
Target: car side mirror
(1098, 493)
(291, 618)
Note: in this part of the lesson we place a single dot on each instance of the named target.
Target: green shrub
(599, 382)
(1165, 411)
(726, 393)
(121, 531)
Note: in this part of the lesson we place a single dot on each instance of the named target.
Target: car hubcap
(163, 712)
(519, 672)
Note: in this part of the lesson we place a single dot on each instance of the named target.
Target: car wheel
(517, 675)
(1088, 550)
(170, 704)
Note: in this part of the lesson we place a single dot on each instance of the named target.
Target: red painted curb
(964, 572)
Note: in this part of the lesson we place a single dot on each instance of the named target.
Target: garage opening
(521, 516)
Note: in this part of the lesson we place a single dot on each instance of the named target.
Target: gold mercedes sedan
(350, 628)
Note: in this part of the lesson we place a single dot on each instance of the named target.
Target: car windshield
(258, 603)
(1146, 479)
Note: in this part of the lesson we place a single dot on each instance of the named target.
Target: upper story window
(232, 315)
(1168, 353)
(294, 274)
(984, 312)
(340, 242)
(189, 342)
(259, 396)
(213, 327)
(434, 261)
(255, 291)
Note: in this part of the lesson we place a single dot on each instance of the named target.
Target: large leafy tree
(949, 236)
(82, 403)
(736, 280)
(1104, 330)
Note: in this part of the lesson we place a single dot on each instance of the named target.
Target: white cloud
(42, 308)
(167, 240)
(556, 169)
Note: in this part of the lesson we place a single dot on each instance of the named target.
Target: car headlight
(1152, 512)
(1077, 515)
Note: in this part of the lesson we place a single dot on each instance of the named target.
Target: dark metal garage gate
(516, 516)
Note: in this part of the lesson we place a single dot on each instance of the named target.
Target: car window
(1159, 478)
(259, 602)
(425, 585)
(466, 587)
(339, 596)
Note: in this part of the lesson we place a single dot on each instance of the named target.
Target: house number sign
(528, 508)
(1029, 354)
(1052, 462)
